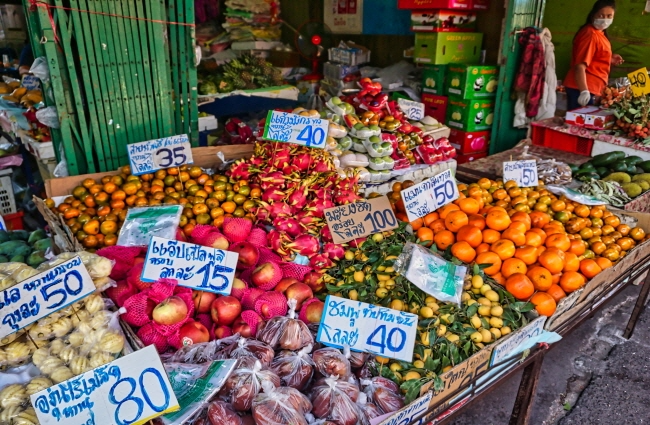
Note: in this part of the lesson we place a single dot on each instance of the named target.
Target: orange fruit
(527, 254)
(612, 220)
(518, 226)
(598, 247)
(516, 236)
(558, 240)
(603, 262)
(469, 205)
(484, 247)
(522, 217)
(556, 292)
(91, 227)
(558, 205)
(637, 233)
(108, 227)
(463, 251)
(539, 219)
(437, 225)
(512, 266)
(498, 278)
(625, 243)
(476, 220)
(497, 220)
(455, 220)
(425, 234)
(578, 247)
(571, 262)
(541, 278)
(470, 234)
(229, 207)
(504, 248)
(552, 261)
(572, 281)
(581, 211)
(590, 268)
(444, 239)
(544, 304)
(491, 236)
(430, 218)
(492, 258)
(520, 286)
(533, 239)
(417, 223)
(447, 209)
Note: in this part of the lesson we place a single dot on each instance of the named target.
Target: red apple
(299, 292)
(220, 242)
(225, 310)
(241, 327)
(203, 301)
(170, 311)
(194, 333)
(221, 332)
(285, 283)
(248, 254)
(314, 311)
(265, 274)
(315, 281)
(238, 288)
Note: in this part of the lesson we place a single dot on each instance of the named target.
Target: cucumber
(633, 160)
(605, 159)
(645, 166)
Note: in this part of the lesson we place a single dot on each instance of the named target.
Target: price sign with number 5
(639, 82)
(148, 157)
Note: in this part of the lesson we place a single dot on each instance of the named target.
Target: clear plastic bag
(40, 69)
(244, 384)
(251, 348)
(294, 368)
(220, 413)
(335, 400)
(382, 163)
(367, 409)
(377, 148)
(330, 362)
(286, 332)
(141, 224)
(384, 393)
(49, 117)
(280, 406)
(431, 273)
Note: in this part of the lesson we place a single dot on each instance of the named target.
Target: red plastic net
(138, 309)
(239, 292)
(250, 296)
(246, 276)
(121, 292)
(205, 235)
(149, 336)
(266, 255)
(294, 270)
(257, 237)
(252, 319)
(133, 277)
(272, 279)
(206, 320)
(124, 256)
(271, 304)
(236, 229)
(172, 330)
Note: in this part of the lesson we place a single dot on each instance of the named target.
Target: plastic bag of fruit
(336, 400)
(384, 393)
(286, 332)
(15, 391)
(330, 362)
(294, 368)
(245, 383)
(250, 348)
(280, 406)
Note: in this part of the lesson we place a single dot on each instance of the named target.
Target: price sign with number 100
(639, 82)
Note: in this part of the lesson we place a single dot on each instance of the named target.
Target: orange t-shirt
(592, 48)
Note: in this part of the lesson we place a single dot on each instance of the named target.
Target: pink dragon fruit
(334, 251)
(326, 234)
(320, 262)
(298, 199)
(272, 180)
(302, 161)
(289, 225)
(240, 170)
(306, 245)
(318, 207)
(272, 195)
(279, 209)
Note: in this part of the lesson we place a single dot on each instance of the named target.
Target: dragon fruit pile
(298, 184)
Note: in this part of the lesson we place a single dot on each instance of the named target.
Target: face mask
(602, 24)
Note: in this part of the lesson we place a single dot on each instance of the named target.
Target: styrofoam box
(208, 123)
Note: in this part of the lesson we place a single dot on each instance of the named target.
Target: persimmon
(571, 262)
(444, 239)
(430, 218)
(533, 239)
(497, 220)
(572, 281)
(527, 254)
(604, 263)
(578, 247)
(512, 266)
(491, 236)
(520, 286)
(492, 258)
(544, 304)
(416, 224)
(470, 234)
(541, 278)
(504, 248)
(455, 220)
(476, 220)
(590, 268)
(447, 209)
(552, 261)
(558, 240)
(484, 247)
(463, 251)
(499, 279)
(469, 205)
(425, 234)
(516, 236)
(437, 225)
(556, 292)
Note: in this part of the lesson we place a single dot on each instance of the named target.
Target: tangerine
(572, 281)
(491, 258)
(590, 268)
(516, 236)
(604, 263)
(556, 292)
(472, 235)
(469, 205)
(447, 209)
(544, 304)
(444, 239)
(527, 254)
(437, 225)
(533, 239)
(416, 224)
(512, 266)
(539, 219)
(571, 262)
(497, 220)
(578, 247)
(504, 248)
(541, 278)
(520, 286)
(499, 279)
(425, 234)
(430, 218)
(558, 240)
(476, 220)
(490, 236)
(552, 261)
(463, 251)
(484, 247)
(455, 220)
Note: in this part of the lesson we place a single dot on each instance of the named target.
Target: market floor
(593, 376)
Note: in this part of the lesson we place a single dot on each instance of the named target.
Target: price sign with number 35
(153, 155)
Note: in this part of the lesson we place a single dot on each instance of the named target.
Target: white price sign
(426, 197)
(296, 129)
(43, 294)
(524, 173)
(413, 110)
(359, 219)
(150, 156)
(368, 328)
(130, 390)
(195, 266)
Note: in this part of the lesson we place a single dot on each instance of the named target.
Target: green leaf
(484, 266)
(445, 362)
(412, 389)
(566, 406)
(426, 322)
(476, 269)
(523, 307)
(431, 364)
(438, 384)
(472, 310)
(467, 347)
(388, 374)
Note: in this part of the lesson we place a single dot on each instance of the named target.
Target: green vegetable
(36, 258)
(603, 171)
(19, 235)
(645, 166)
(43, 245)
(10, 248)
(587, 166)
(3, 259)
(36, 236)
(619, 166)
(633, 160)
(17, 259)
(4, 236)
(619, 155)
(631, 169)
(574, 168)
(605, 159)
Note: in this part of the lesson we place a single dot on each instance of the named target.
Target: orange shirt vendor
(592, 57)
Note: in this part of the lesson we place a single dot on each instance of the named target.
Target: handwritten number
(57, 292)
(389, 216)
(319, 137)
(382, 338)
(176, 157)
(372, 222)
(377, 216)
(311, 136)
(79, 280)
(167, 159)
(400, 345)
(129, 397)
(165, 391)
(438, 192)
(206, 274)
(178, 153)
(307, 138)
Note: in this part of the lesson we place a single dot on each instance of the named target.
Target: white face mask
(602, 24)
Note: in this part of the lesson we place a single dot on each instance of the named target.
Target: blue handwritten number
(163, 387)
(167, 159)
(57, 292)
(387, 343)
(386, 217)
(311, 137)
(79, 280)
(178, 153)
(206, 274)
(136, 400)
(400, 345)
(382, 338)
(319, 137)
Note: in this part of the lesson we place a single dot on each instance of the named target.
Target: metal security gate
(122, 71)
(520, 14)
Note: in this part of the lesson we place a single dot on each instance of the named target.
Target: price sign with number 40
(639, 82)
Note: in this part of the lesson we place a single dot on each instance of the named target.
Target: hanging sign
(413, 110)
(153, 155)
(426, 197)
(194, 266)
(639, 82)
(43, 294)
(359, 219)
(524, 173)
(296, 129)
(368, 328)
(130, 390)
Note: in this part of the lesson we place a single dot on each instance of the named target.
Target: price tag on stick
(524, 173)
(428, 196)
(153, 155)
(195, 266)
(352, 221)
(43, 294)
(368, 328)
(639, 82)
(296, 129)
(413, 110)
(130, 390)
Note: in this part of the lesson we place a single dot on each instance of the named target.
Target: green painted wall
(629, 34)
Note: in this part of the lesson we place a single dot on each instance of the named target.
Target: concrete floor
(593, 376)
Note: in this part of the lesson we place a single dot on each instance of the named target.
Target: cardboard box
(470, 114)
(600, 120)
(462, 159)
(349, 53)
(443, 21)
(435, 106)
(579, 116)
(434, 4)
(471, 81)
(433, 79)
(470, 142)
(442, 48)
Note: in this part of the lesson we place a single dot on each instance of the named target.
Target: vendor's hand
(584, 98)
(617, 59)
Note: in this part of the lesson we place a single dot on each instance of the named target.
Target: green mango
(43, 244)
(23, 250)
(10, 247)
(3, 259)
(36, 236)
(36, 258)
(4, 236)
(17, 259)
(19, 235)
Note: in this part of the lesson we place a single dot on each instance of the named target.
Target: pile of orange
(96, 210)
(540, 247)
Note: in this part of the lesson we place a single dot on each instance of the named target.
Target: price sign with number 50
(153, 155)
(524, 173)
(426, 197)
